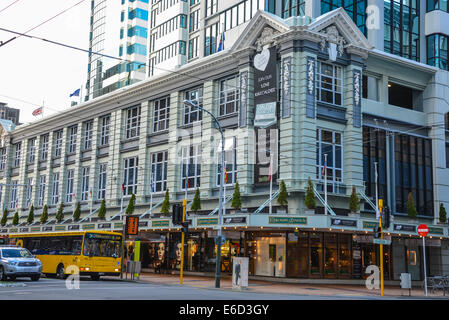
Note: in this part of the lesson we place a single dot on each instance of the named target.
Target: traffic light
(386, 218)
(377, 233)
(185, 226)
(177, 214)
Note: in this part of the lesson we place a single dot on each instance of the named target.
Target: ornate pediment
(333, 41)
(260, 32)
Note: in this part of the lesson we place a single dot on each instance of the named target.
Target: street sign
(382, 241)
(423, 230)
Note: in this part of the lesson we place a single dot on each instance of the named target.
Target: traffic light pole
(381, 259)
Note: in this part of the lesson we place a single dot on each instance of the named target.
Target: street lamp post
(220, 201)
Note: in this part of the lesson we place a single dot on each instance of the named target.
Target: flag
(74, 195)
(269, 173)
(225, 175)
(221, 43)
(37, 112)
(76, 93)
(323, 171)
(90, 193)
(123, 188)
(152, 184)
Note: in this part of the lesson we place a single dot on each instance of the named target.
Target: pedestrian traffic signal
(386, 218)
(177, 214)
(377, 233)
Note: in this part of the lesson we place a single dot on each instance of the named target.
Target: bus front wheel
(60, 272)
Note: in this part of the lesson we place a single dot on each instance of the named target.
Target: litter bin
(406, 282)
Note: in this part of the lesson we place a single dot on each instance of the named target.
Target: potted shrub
(236, 198)
(130, 208)
(196, 205)
(4, 217)
(443, 215)
(102, 210)
(165, 209)
(310, 198)
(77, 213)
(282, 197)
(60, 213)
(15, 219)
(44, 215)
(411, 209)
(30, 218)
(354, 205)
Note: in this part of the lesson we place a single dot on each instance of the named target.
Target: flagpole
(325, 184)
(224, 193)
(377, 196)
(42, 113)
(151, 193)
(271, 181)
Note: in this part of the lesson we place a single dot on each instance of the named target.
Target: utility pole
(271, 180)
(325, 184)
(184, 205)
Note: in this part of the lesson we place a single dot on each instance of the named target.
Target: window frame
(191, 153)
(130, 172)
(132, 121)
(334, 79)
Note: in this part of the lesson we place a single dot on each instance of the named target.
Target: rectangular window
(17, 152)
(447, 155)
(211, 7)
(31, 150)
(437, 51)
(229, 95)
(329, 86)
(102, 181)
(130, 175)
(192, 114)
(191, 167)
(230, 161)
(193, 48)
(401, 21)
(14, 196)
(87, 134)
(329, 143)
(194, 21)
(29, 190)
(55, 189)
(354, 8)
(42, 184)
(57, 136)
(132, 122)
(105, 124)
(210, 40)
(3, 159)
(158, 178)
(44, 146)
(161, 114)
(69, 186)
(73, 131)
(85, 184)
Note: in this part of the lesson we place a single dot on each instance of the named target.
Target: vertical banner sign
(286, 92)
(132, 226)
(357, 98)
(265, 105)
(243, 98)
(265, 88)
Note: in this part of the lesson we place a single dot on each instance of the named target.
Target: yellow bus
(95, 253)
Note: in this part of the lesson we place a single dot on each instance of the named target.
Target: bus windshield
(102, 245)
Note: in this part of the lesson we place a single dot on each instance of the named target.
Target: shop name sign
(404, 227)
(207, 221)
(344, 222)
(287, 220)
(235, 220)
(160, 223)
(265, 115)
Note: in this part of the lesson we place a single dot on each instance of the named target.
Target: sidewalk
(287, 288)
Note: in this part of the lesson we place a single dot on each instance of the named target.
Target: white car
(18, 262)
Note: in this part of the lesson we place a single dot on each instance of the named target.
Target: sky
(33, 72)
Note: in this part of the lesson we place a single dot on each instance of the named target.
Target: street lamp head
(191, 103)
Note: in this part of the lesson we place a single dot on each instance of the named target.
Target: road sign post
(423, 230)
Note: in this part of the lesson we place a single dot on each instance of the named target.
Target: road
(115, 289)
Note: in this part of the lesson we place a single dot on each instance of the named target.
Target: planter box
(354, 214)
(309, 211)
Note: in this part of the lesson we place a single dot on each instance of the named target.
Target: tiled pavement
(288, 288)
